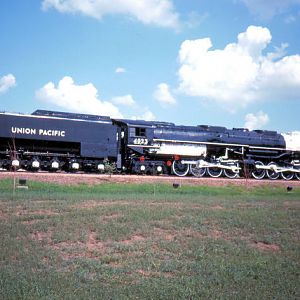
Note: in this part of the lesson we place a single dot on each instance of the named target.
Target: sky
(232, 63)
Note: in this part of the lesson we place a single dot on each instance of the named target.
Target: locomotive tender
(52, 141)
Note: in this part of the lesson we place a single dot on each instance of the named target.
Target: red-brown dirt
(91, 179)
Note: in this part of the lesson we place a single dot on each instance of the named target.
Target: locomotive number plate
(140, 141)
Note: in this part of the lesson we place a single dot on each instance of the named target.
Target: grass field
(114, 241)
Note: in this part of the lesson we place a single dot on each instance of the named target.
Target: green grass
(121, 241)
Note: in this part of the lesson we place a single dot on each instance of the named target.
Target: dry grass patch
(133, 239)
(93, 244)
(189, 234)
(145, 273)
(21, 211)
(91, 248)
(217, 207)
(72, 249)
(90, 204)
(266, 247)
(163, 234)
(112, 216)
(292, 204)
(255, 205)
(30, 222)
(4, 215)
(42, 236)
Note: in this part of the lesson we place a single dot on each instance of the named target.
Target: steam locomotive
(59, 141)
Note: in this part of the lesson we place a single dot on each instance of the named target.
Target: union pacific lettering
(33, 131)
(50, 132)
(22, 130)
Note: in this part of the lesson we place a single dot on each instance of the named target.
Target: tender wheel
(214, 172)
(180, 169)
(258, 173)
(287, 175)
(271, 173)
(35, 165)
(74, 166)
(197, 172)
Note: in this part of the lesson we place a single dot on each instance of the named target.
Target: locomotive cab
(137, 143)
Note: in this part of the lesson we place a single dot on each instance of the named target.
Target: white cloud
(267, 9)
(147, 116)
(163, 95)
(120, 70)
(256, 121)
(240, 73)
(126, 100)
(156, 12)
(76, 98)
(6, 82)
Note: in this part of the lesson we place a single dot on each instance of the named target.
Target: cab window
(137, 132)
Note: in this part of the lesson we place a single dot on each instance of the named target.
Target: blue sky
(231, 63)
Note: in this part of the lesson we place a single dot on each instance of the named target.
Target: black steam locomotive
(53, 141)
